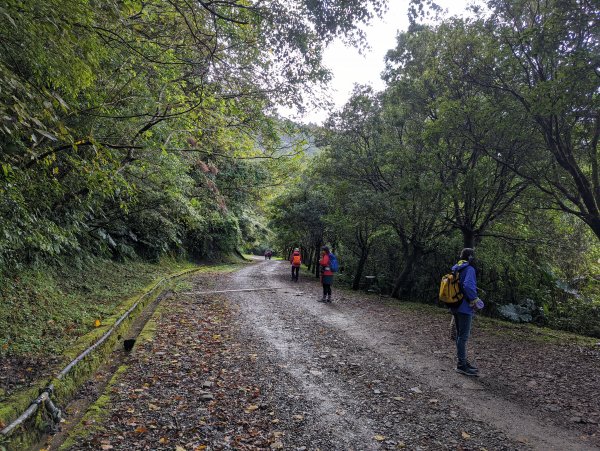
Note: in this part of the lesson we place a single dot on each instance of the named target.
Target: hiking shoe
(472, 368)
(467, 371)
(328, 298)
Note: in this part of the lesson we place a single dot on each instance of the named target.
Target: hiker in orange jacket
(296, 261)
(326, 274)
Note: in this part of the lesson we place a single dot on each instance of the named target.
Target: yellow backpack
(450, 293)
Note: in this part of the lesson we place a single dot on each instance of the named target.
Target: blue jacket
(468, 285)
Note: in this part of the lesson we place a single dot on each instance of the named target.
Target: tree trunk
(468, 237)
(359, 269)
(403, 280)
(594, 223)
(317, 255)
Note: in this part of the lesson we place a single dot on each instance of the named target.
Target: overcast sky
(349, 67)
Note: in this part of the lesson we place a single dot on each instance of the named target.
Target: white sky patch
(349, 67)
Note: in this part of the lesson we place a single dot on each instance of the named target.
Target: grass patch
(534, 333)
(17, 402)
(45, 310)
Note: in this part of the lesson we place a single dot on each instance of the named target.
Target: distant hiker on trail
(268, 254)
(326, 273)
(296, 261)
(463, 313)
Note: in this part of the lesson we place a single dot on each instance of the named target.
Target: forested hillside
(134, 128)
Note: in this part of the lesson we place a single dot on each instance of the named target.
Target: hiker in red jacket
(296, 261)
(326, 274)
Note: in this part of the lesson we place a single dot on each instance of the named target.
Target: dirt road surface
(279, 370)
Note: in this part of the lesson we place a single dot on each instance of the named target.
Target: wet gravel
(351, 396)
(279, 370)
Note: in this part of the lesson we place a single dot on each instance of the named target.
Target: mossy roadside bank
(18, 401)
(84, 425)
(90, 419)
(46, 310)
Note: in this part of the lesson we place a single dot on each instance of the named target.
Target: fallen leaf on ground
(140, 430)
(379, 438)
(251, 408)
(465, 435)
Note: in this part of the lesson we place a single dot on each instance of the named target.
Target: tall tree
(372, 150)
(457, 124)
(545, 56)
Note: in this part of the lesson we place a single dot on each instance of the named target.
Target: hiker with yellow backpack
(296, 261)
(458, 290)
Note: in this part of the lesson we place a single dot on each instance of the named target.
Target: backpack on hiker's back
(333, 262)
(450, 289)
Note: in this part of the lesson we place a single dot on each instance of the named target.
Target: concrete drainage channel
(28, 428)
(90, 392)
(103, 376)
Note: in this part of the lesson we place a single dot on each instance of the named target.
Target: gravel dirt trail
(279, 370)
(360, 356)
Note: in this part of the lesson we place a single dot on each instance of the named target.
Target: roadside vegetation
(485, 136)
(134, 131)
(47, 309)
(135, 138)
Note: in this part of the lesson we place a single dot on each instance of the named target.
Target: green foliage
(475, 142)
(45, 310)
(128, 128)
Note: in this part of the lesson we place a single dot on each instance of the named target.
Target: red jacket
(324, 262)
